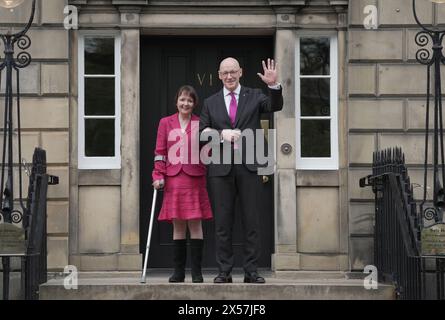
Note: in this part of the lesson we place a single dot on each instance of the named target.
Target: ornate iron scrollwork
(430, 213)
(24, 42)
(423, 55)
(23, 58)
(16, 216)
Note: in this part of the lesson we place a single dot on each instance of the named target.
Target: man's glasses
(226, 73)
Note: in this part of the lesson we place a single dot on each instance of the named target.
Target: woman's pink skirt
(185, 198)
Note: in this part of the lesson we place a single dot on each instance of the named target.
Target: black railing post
(398, 229)
(395, 211)
(5, 265)
(35, 266)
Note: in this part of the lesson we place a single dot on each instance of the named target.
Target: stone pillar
(129, 258)
(74, 183)
(285, 257)
(343, 147)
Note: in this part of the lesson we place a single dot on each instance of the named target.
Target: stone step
(298, 286)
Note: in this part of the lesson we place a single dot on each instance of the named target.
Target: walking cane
(153, 205)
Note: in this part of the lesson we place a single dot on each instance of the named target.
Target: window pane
(99, 55)
(315, 97)
(315, 138)
(99, 138)
(314, 56)
(99, 97)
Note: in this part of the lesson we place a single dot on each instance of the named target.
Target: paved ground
(161, 277)
(282, 285)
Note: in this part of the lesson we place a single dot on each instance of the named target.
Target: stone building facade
(323, 220)
(386, 104)
(45, 89)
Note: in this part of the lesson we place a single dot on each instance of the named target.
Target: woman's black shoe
(196, 246)
(179, 258)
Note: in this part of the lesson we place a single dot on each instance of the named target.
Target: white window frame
(85, 162)
(318, 163)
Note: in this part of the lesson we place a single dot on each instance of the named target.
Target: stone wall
(386, 106)
(45, 110)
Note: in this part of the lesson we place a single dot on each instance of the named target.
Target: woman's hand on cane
(158, 184)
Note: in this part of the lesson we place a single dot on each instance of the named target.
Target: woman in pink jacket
(180, 172)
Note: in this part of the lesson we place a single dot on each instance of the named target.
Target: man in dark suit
(234, 110)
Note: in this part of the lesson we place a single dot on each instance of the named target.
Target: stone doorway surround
(104, 204)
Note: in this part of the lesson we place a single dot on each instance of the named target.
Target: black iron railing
(397, 231)
(35, 217)
(34, 264)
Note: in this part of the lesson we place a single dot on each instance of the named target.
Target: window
(316, 99)
(99, 101)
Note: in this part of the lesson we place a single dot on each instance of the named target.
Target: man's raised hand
(270, 75)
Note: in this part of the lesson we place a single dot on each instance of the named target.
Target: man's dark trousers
(223, 191)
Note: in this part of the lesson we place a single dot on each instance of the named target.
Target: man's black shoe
(223, 277)
(253, 277)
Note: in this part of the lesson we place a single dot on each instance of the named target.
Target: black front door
(166, 64)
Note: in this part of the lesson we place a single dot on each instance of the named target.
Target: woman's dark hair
(190, 91)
